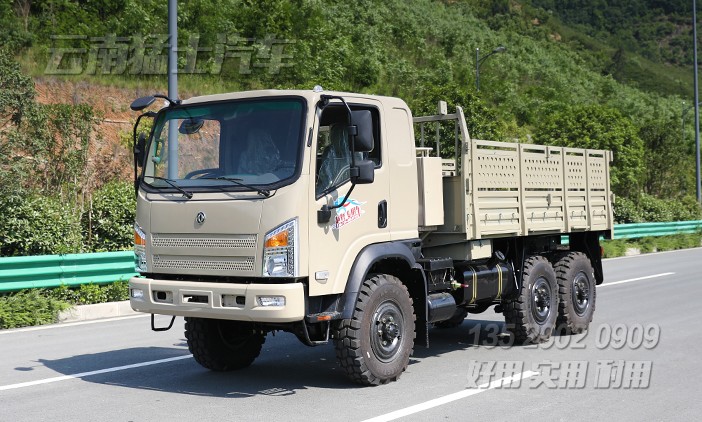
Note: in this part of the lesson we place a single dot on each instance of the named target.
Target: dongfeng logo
(200, 218)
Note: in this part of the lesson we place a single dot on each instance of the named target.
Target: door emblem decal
(350, 211)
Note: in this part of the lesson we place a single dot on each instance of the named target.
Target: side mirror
(140, 150)
(142, 103)
(363, 173)
(363, 122)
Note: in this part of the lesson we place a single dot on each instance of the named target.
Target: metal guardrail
(636, 230)
(26, 272)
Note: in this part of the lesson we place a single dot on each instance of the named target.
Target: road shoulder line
(647, 277)
(87, 374)
(451, 397)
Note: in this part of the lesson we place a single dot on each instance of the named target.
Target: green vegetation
(46, 193)
(29, 307)
(41, 224)
(108, 222)
(42, 306)
(48, 197)
(647, 43)
(37, 224)
(619, 247)
(88, 294)
(596, 127)
(649, 209)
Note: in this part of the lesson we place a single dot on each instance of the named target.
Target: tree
(481, 121)
(599, 127)
(16, 101)
(23, 7)
(16, 91)
(668, 161)
(108, 223)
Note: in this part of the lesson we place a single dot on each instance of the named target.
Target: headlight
(139, 249)
(280, 257)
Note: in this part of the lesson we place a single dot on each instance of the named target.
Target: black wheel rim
(234, 337)
(541, 300)
(386, 331)
(580, 293)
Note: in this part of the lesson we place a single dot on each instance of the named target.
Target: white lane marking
(87, 374)
(635, 279)
(451, 397)
(69, 324)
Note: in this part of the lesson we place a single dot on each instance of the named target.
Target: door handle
(382, 214)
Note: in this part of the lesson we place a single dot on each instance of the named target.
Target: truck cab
(231, 202)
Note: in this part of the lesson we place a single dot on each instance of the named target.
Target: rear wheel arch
(589, 244)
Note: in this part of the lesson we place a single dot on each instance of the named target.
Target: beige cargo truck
(320, 214)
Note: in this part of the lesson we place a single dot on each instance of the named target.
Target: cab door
(361, 219)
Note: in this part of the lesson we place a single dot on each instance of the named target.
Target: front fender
(396, 258)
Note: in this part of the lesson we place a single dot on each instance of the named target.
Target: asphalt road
(639, 361)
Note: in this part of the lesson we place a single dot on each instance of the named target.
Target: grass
(619, 247)
(42, 306)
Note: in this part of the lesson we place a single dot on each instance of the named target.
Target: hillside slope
(562, 58)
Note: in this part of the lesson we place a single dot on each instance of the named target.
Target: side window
(333, 150)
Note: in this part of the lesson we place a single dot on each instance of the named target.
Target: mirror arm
(343, 201)
(324, 100)
(134, 139)
(171, 102)
(324, 214)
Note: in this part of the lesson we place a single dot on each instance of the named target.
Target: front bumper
(168, 297)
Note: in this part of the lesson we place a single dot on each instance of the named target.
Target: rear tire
(222, 345)
(532, 316)
(576, 291)
(374, 346)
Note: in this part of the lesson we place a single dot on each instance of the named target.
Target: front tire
(374, 346)
(576, 291)
(221, 345)
(532, 316)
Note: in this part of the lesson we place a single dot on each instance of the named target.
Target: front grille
(197, 263)
(211, 241)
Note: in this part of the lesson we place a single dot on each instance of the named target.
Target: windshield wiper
(174, 185)
(238, 182)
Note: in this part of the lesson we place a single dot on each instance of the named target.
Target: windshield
(228, 145)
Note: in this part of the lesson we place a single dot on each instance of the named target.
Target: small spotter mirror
(191, 126)
(142, 103)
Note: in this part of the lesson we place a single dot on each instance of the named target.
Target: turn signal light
(277, 240)
(139, 238)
